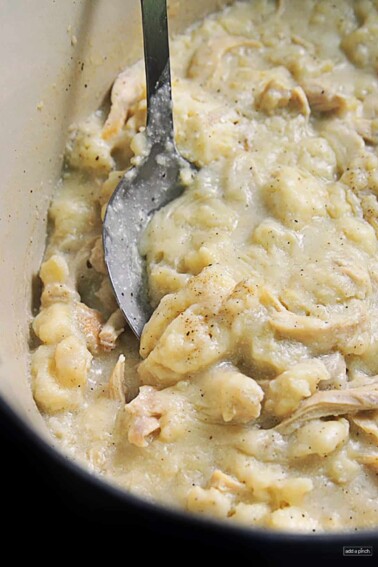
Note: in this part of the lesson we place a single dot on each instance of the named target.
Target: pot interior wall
(58, 61)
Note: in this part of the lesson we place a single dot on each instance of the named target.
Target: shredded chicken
(90, 322)
(224, 482)
(323, 99)
(209, 55)
(332, 403)
(112, 329)
(278, 94)
(368, 422)
(338, 330)
(106, 296)
(97, 257)
(117, 387)
(142, 417)
(370, 460)
(128, 88)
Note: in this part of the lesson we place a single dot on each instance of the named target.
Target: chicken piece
(332, 403)
(167, 413)
(209, 55)
(370, 460)
(142, 417)
(132, 139)
(368, 422)
(96, 257)
(230, 396)
(128, 88)
(89, 322)
(225, 483)
(117, 387)
(112, 329)
(346, 332)
(105, 294)
(277, 95)
(323, 99)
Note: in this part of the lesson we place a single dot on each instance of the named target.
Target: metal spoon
(148, 187)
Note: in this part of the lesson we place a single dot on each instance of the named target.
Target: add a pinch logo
(358, 550)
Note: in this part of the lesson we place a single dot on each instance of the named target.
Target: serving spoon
(149, 186)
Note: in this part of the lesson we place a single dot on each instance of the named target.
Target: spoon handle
(158, 72)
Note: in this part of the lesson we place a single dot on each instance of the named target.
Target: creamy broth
(253, 395)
